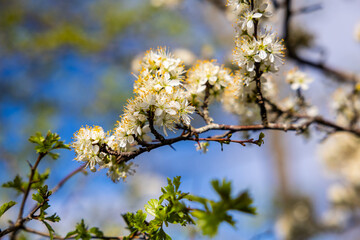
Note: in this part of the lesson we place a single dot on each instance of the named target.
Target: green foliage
(170, 209)
(50, 229)
(215, 213)
(83, 232)
(48, 143)
(260, 141)
(17, 184)
(42, 198)
(39, 179)
(6, 206)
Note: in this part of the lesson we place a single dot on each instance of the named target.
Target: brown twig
(67, 177)
(33, 231)
(157, 135)
(127, 156)
(20, 222)
(225, 140)
(205, 106)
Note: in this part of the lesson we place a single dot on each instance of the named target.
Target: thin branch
(205, 106)
(193, 135)
(152, 128)
(30, 230)
(259, 96)
(225, 140)
(33, 169)
(339, 75)
(20, 223)
(65, 179)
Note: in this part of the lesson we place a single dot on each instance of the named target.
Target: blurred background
(65, 64)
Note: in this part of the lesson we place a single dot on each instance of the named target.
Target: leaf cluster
(216, 212)
(6, 206)
(167, 209)
(170, 209)
(45, 144)
(42, 199)
(19, 185)
(83, 232)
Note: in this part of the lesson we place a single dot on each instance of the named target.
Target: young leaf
(5, 207)
(152, 207)
(37, 197)
(17, 184)
(96, 231)
(161, 235)
(50, 229)
(260, 141)
(53, 218)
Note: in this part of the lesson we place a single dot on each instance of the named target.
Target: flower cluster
(255, 52)
(160, 101)
(346, 104)
(91, 146)
(298, 80)
(341, 156)
(206, 76)
(87, 145)
(239, 98)
(266, 51)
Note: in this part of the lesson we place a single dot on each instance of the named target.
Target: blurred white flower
(298, 79)
(186, 55)
(202, 146)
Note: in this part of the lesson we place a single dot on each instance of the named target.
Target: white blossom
(86, 145)
(298, 80)
(206, 74)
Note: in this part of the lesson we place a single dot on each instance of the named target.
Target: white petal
(267, 40)
(263, 7)
(257, 15)
(271, 58)
(250, 27)
(262, 54)
(250, 66)
(138, 130)
(171, 111)
(131, 139)
(158, 112)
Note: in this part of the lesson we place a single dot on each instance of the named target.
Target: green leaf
(152, 207)
(177, 182)
(50, 142)
(38, 179)
(69, 234)
(215, 213)
(224, 189)
(37, 138)
(50, 229)
(243, 203)
(161, 235)
(82, 232)
(37, 197)
(136, 222)
(54, 155)
(96, 231)
(17, 184)
(6, 206)
(260, 141)
(53, 218)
